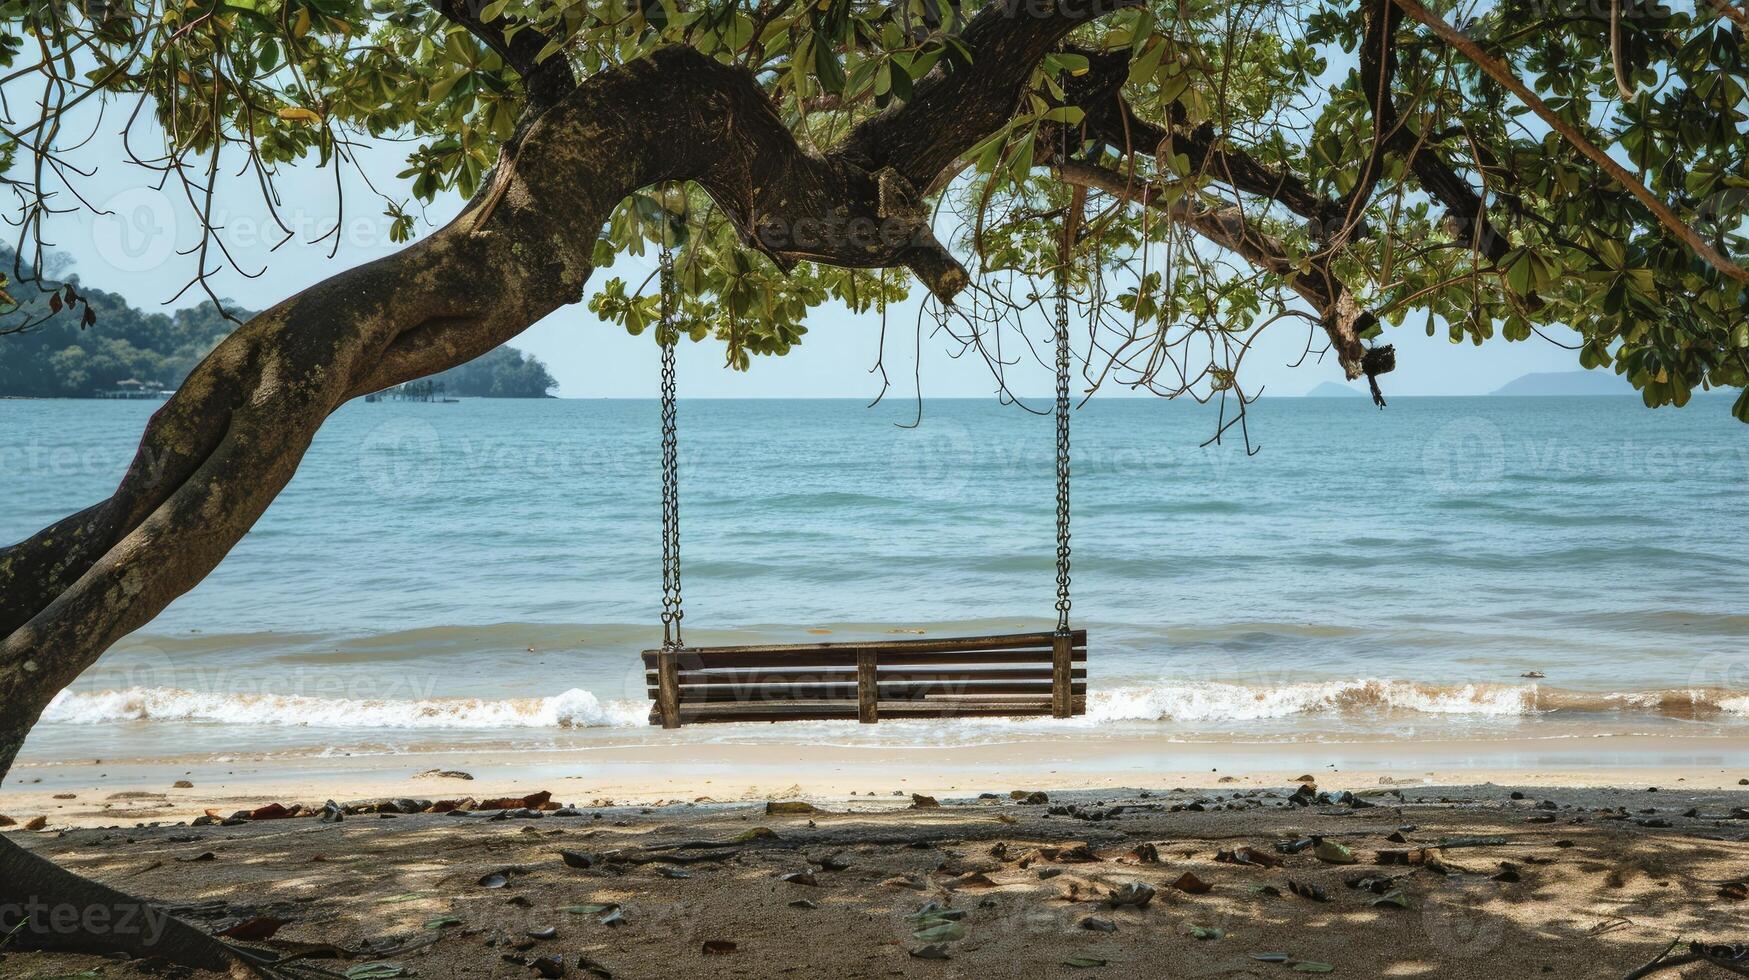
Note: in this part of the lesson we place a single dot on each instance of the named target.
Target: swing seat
(1013, 674)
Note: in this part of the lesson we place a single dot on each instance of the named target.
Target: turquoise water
(489, 569)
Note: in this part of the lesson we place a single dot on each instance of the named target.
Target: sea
(485, 572)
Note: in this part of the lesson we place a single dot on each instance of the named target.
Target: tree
(1198, 168)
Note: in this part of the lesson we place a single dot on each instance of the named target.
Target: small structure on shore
(134, 389)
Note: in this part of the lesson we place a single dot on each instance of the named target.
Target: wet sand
(112, 791)
(1597, 882)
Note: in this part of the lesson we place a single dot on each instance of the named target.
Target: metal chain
(667, 334)
(1063, 444)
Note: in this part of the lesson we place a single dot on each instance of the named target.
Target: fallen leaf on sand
(1246, 854)
(1205, 932)
(940, 932)
(1190, 883)
(1307, 890)
(718, 947)
(933, 951)
(37, 823)
(775, 808)
(1084, 962)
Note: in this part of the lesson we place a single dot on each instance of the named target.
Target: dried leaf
(1190, 883)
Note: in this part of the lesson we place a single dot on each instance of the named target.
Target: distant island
(129, 353)
(501, 373)
(1331, 389)
(1567, 383)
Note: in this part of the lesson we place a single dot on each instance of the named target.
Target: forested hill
(502, 373)
(58, 358)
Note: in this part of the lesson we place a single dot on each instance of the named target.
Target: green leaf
(941, 933)
(1205, 932)
(1312, 966)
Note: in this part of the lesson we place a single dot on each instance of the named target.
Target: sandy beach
(1376, 878)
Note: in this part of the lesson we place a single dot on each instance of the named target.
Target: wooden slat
(847, 710)
(903, 658)
(760, 693)
(867, 689)
(699, 678)
(999, 641)
(886, 650)
(689, 689)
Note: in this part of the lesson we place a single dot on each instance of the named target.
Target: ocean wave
(1212, 701)
(1199, 702)
(573, 709)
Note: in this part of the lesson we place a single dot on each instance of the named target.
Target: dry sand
(1601, 887)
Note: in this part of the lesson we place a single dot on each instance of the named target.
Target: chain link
(667, 334)
(1063, 444)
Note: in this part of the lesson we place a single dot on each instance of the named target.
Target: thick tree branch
(1110, 120)
(954, 108)
(1498, 71)
(546, 82)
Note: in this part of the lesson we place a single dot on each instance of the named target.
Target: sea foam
(1180, 703)
(572, 709)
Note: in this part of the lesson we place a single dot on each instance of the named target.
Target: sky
(135, 248)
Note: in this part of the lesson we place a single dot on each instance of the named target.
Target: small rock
(921, 802)
(1136, 894)
(1095, 924)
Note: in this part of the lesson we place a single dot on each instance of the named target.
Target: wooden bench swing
(1040, 673)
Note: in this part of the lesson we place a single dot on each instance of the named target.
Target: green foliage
(290, 80)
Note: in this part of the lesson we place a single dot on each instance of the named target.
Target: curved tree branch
(546, 82)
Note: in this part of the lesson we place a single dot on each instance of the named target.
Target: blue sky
(130, 251)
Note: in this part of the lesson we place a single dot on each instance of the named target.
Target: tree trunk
(46, 908)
